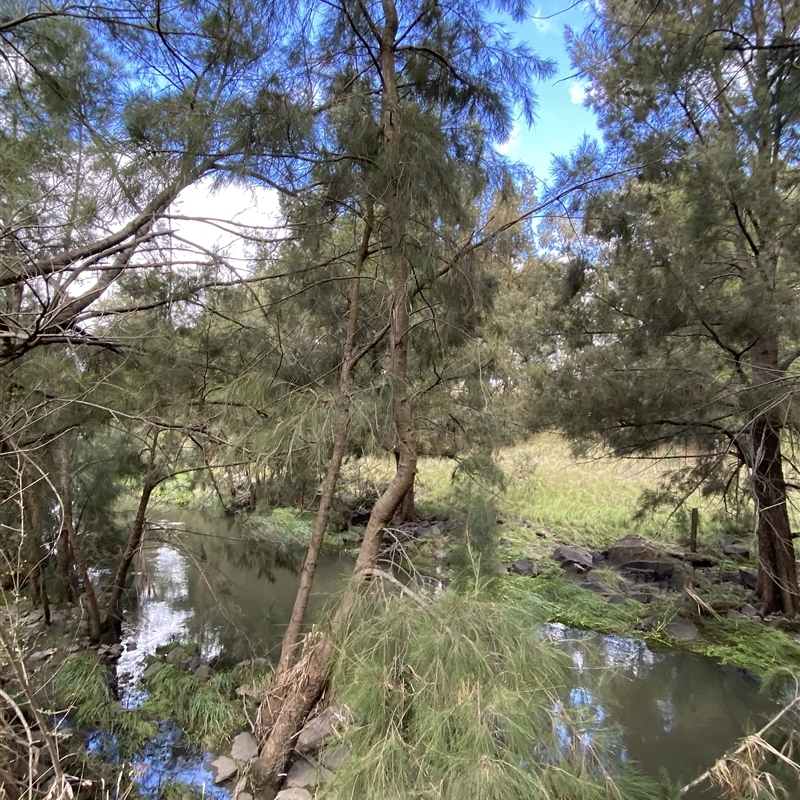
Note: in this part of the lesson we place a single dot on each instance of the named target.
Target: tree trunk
(114, 608)
(67, 521)
(406, 511)
(341, 429)
(777, 568)
(38, 554)
(64, 562)
(293, 694)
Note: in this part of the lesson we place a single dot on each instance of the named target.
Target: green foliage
(203, 709)
(178, 790)
(456, 699)
(475, 530)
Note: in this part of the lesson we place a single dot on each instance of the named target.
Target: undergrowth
(203, 709)
(82, 684)
(460, 698)
(207, 711)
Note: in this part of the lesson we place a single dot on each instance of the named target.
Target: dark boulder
(632, 548)
(748, 578)
(578, 557)
(524, 567)
(739, 550)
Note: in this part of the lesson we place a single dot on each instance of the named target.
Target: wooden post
(693, 533)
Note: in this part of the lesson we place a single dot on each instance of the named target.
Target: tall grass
(459, 699)
(202, 709)
(589, 501)
(82, 684)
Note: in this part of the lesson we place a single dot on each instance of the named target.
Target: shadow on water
(665, 711)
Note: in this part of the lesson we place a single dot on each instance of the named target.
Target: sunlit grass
(589, 501)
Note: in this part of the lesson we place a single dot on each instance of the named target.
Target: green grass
(448, 699)
(203, 709)
(82, 685)
(584, 501)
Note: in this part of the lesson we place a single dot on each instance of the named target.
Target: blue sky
(562, 120)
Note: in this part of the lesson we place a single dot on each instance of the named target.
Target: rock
(682, 629)
(322, 726)
(749, 612)
(303, 774)
(740, 550)
(203, 672)
(633, 548)
(223, 768)
(748, 578)
(244, 796)
(245, 748)
(249, 691)
(699, 561)
(524, 567)
(785, 624)
(615, 600)
(131, 645)
(643, 571)
(579, 557)
(333, 757)
(640, 597)
(42, 655)
(594, 584)
(295, 793)
(735, 614)
(150, 671)
(175, 655)
(650, 623)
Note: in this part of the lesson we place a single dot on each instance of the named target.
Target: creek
(664, 710)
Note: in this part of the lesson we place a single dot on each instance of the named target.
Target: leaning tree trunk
(777, 568)
(406, 511)
(293, 694)
(341, 429)
(151, 480)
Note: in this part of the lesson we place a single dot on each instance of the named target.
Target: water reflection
(669, 710)
(203, 579)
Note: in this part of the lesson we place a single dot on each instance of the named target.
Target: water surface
(667, 710)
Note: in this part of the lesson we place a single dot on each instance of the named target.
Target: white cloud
(512, 143)
(220, 220)
(541, 24)
(577, 92)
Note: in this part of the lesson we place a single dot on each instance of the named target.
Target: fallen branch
(379, 573)
(757, 740)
